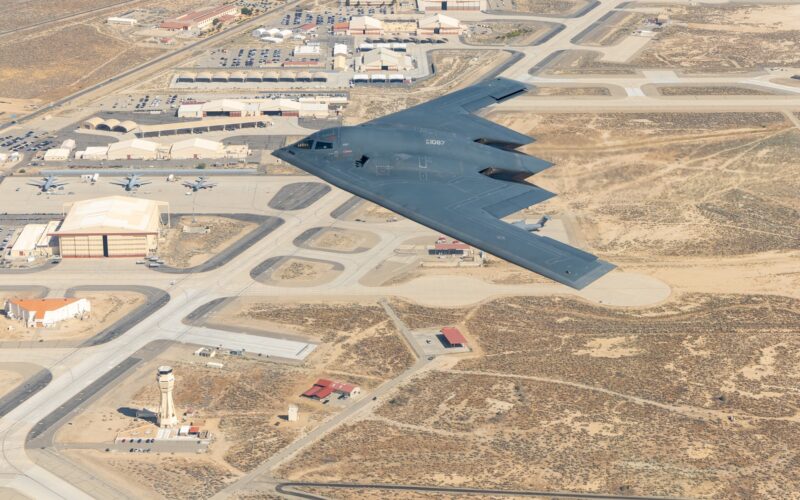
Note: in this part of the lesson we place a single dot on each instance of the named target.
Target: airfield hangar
(113, 226)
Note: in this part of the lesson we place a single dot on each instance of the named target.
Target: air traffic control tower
(166, 410)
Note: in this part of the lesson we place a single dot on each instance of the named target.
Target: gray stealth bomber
(446, 168)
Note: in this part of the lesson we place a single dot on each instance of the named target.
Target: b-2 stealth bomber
(444, 167)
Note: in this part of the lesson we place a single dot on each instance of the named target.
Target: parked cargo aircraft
(446, 168)
(48, 183)
(200, 183)
(130, 182)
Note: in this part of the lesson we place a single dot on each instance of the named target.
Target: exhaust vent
(506, 175)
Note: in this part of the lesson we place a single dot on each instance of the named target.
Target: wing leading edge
(454, 113)
(468, 209)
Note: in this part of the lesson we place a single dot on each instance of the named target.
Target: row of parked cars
(30, 142)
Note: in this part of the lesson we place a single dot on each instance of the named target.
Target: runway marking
(634, 92)
(661, 76)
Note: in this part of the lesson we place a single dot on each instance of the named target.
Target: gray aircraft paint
(200, 183)
(130, 182)
(457, 173)
(48, 183)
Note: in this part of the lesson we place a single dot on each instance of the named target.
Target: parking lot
(329, 17)
(30, 142)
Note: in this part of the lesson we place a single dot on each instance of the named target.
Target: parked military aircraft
(131, 182)
(532, 227)
(450, 170)
(48, 183)
(200, 183)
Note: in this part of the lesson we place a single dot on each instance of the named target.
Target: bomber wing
(454, 113)
(470, 209)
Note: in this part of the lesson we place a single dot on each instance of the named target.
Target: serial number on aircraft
(434, 142)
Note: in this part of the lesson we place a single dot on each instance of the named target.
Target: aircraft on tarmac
(444, 167)
(48, 183)
(532, 227)
(131, 182)
(200, 183)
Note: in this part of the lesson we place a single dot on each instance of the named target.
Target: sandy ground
(556, 377)
(505, 33)
(241, 404)
(454, 69)
(237, 312)
(106, 309)
(16, 106)
(343, 240)
(191, 249)
(11, 494)
(8, 380)
(300, 272)
(370, 212)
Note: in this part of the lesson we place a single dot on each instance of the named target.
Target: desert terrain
(557, 389)
(719, 38)
(358, 339)
(555, 8)
(300, 271)
(470, 65)
(242, 405)
(186, 249)
(506, 33)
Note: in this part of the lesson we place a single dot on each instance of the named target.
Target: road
(70, 17)
(141, 72)
(77, 372)
(288, 488)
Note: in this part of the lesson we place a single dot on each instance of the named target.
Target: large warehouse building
(114, 226)
(440, 5)
(201, 19)
(46, 312)
(274, 107)
(383, 59)
(439, 24)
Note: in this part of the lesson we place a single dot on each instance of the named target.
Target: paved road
(25, 390)
(298, 196)
(366, 403)
(80, 373)
(76, 15)
(288, 488)
(266, 225)
(150, 67)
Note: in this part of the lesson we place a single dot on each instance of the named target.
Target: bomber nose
(283, 153)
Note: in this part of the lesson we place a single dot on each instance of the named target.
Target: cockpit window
(304, 144)
(323, 145)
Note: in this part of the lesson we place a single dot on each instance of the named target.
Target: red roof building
(201, 19)
(341, 28)
(453, 336)
(323, 388)
(307, 28)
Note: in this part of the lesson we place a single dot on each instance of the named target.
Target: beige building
(34, 241)
(383, 59)
(365, 25)
(114, 226)
(439, 24)
(453, 5)
(340, 62)
(133, 149)
(201, 19)
(57, 154)
(196, 148)
(92, 153)
(203, 148)
(46, 312)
